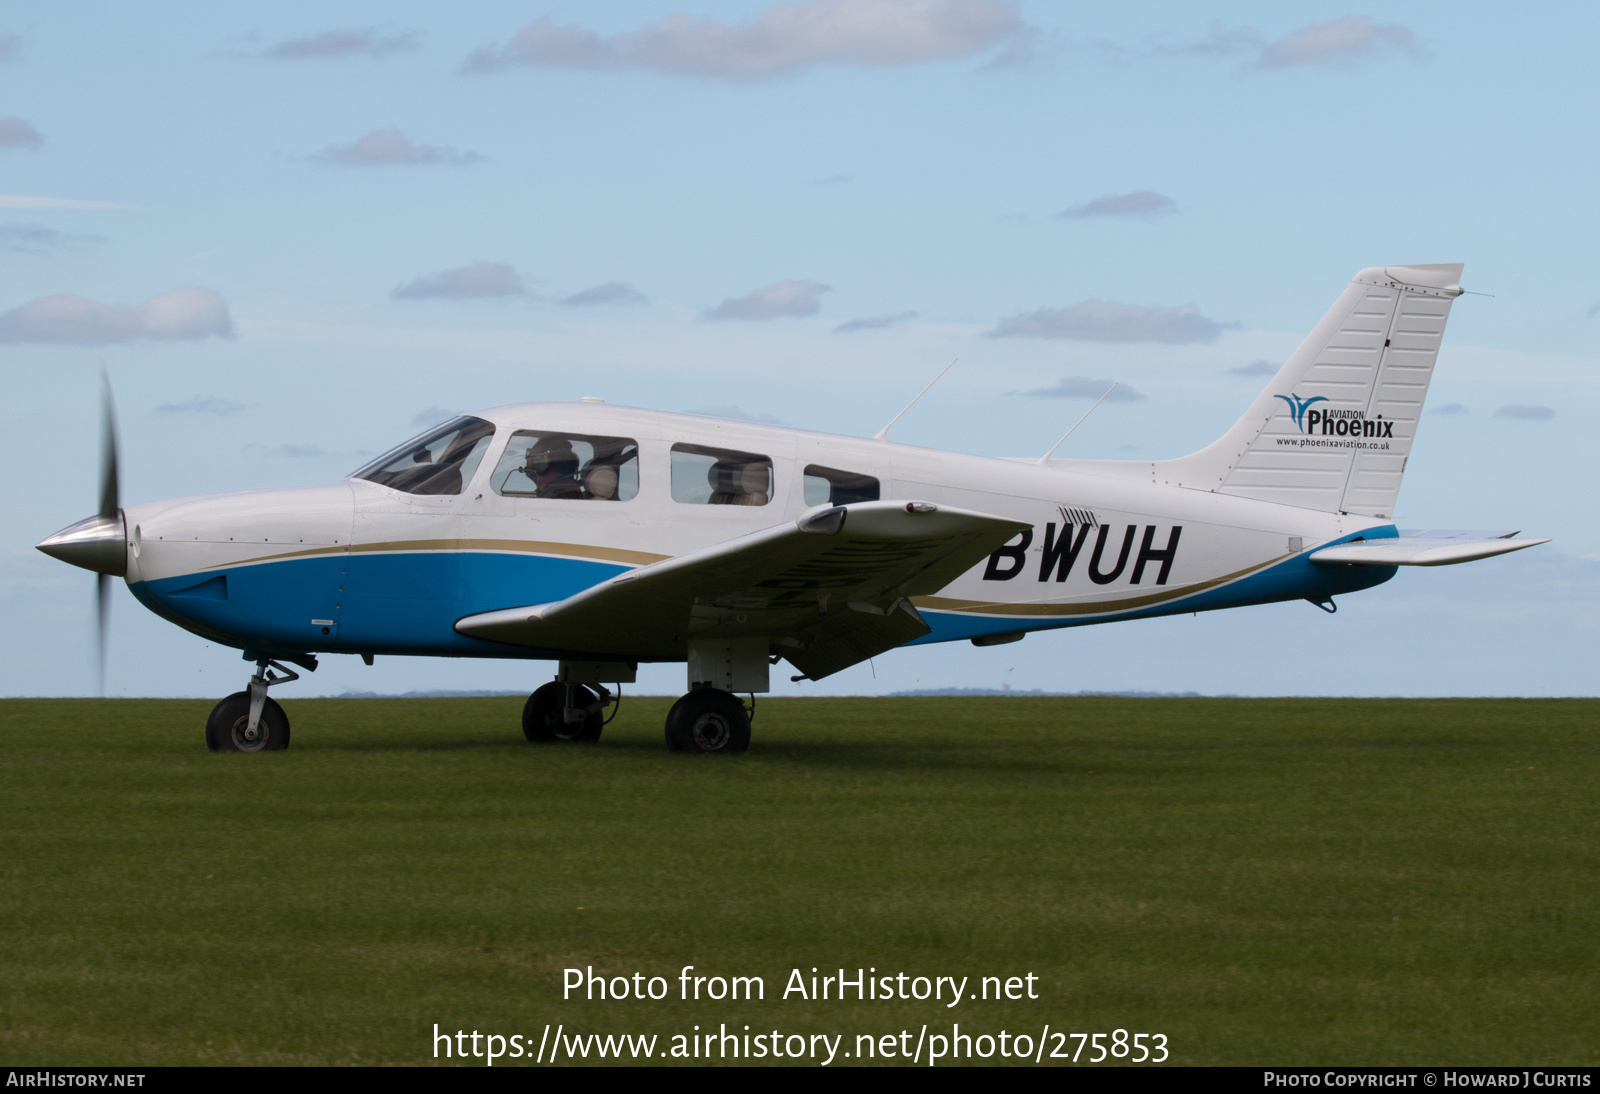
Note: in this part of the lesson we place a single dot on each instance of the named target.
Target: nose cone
(97, 544)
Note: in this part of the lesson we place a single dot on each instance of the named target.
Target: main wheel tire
(542, 720)
(708, 721)
(228, 727)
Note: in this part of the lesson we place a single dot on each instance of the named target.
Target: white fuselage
(359, 567)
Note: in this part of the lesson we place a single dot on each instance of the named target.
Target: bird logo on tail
(1297, 407)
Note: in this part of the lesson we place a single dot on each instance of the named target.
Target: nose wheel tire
(543, 716)
(228, 727)
(709, 722)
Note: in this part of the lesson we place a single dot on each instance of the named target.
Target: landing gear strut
(250, 720)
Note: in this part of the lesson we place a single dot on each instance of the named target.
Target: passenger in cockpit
(736, 483)
(599, 481)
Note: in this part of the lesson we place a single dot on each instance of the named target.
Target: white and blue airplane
(599, 537)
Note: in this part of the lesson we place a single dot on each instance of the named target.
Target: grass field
(1264, 881)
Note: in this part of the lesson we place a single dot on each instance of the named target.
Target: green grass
(1264, 881)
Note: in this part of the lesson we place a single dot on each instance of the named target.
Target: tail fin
(1333, 429)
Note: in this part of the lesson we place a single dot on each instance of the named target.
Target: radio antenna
(1044, 459)
(883, 434)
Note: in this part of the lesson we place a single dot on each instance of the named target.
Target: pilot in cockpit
(552, 466)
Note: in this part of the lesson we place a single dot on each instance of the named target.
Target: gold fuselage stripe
(1097, 607)
(518, 546)
(645, 558)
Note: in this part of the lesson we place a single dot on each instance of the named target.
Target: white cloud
(481, 279)
(390, 147)
(16, 133)
(1256, 368)
(1111, 321)
(1451, 409)
(188, 312)
(1082, 387)
(1220, 40)
(1522, 412)
(203, 404)
(1144, 204)
(782, 40)
(1341, 42)
(612, 292)
(876, 322)
(1338, 42)
(23, 201)
(36, 239)
(354, 42)
(781, 299)
(434, 415)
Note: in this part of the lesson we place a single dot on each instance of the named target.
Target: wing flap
(1428, 549)
(830, 589)
(850, 637)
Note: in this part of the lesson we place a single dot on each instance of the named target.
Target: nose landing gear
(250, 720)
(572, 706)
(565, 712)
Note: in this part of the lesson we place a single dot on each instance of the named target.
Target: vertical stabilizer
(1333, 430)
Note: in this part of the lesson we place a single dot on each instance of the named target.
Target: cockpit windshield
(441, 461)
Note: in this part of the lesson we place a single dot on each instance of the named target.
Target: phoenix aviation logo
(1298, 407)
(1334, 423)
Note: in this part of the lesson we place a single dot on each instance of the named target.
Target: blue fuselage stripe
(408, 602)
(394, 602)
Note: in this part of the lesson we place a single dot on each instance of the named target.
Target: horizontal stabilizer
(828, 590)
(1430, 548)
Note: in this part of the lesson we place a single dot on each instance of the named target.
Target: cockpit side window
(719, 476)
(441, 461)
(827, 486)
(573, 466)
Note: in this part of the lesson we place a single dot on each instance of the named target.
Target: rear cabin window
(571, 466)
(441, 461)
(828, 486)
(719, 476)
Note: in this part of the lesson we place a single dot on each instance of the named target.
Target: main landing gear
(251, 720)
(709, 720)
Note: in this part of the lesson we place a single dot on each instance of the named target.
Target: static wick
(883, 434)
(1044, 459)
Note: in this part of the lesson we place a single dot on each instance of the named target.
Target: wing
(829, 590)
(1430, 548)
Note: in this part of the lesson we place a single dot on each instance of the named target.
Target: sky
(295, 234)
